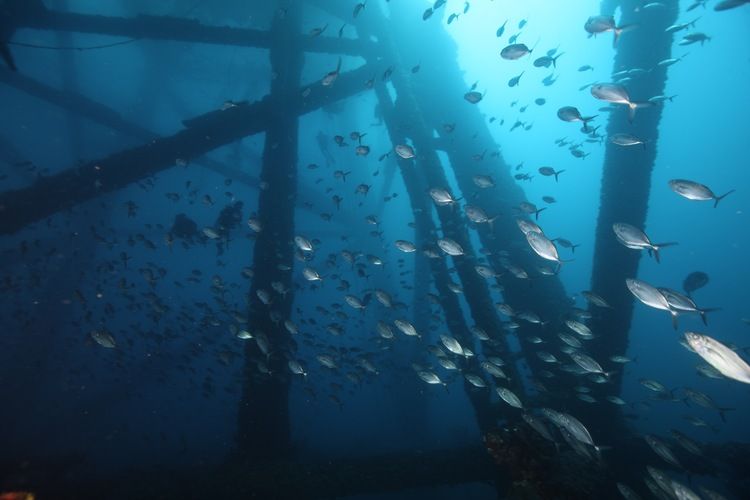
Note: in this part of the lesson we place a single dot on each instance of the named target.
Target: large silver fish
(634, 238)
(603, 24)
(695, 191)
(617, 94)
(651, 296)
(719, 356)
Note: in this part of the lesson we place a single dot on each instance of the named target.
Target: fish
(595, 299)
(586, 362)
(430, 377)
(596, 25)
(692, 38)
(718, 355)
(406, 328)
(546, 61)
(296, 368)
(405, 246)
(730, 4)
(571, 114)
(515, 80)
(331, 76)
(515, 51)
(509, 397)
(452, 345)
(694, 281)
(450, 247)
(483, 181)
(530, 208)
(683, 303)
(624, 139)
(549, 171)
(442, 197)
(103, 338)
(543, 246)
(651, 296)
(473, 96)
(617, 94)
(358, 8)
(303, 243)
(404, 151)
(501, 29)
(634, 238)
(661, 449)
(695, 191)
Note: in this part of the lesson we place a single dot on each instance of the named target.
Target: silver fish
(509, 397)
(617, 94)
(719, 356)
(450, 247)
(634, 238)
(543, 246)
(695, 191)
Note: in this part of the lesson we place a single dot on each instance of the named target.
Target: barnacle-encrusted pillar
(264, 426)
(626, 184)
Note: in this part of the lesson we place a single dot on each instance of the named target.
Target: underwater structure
(414, 116)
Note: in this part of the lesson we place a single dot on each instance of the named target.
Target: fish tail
(558, 173)
(536, 214)
(674, 319)
(719, 198)
(573, 247)
(658, 246)
(703, 313)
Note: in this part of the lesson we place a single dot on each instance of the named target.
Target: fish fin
(719, 198)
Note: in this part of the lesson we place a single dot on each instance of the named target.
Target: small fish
(549, 171)
(692, 38)
(331, 77)
(545, 61)
(695, 191)
(404, 151)
(571, 114)
(473, 97)
(501, 29)
(515, 80)
(104, 339)
(624, 139)
(358, 8)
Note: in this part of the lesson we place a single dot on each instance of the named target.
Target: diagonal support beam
(202, 134)
(185, 30)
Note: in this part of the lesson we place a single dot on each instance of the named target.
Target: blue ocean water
(111, 262)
